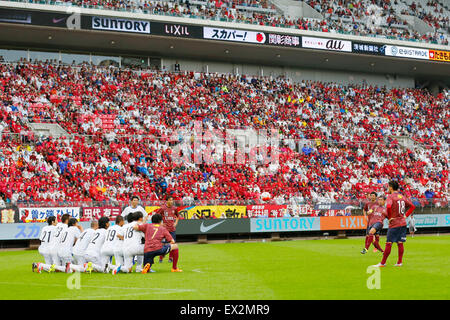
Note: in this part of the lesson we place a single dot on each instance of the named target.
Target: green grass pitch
(299, 269)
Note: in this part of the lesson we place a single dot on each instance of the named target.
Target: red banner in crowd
(266, 210)
(97, 212)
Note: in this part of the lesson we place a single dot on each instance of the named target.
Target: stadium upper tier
(126, 129)
(425, 21)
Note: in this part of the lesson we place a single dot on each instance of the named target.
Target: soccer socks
(98, 268)
(401, 249)
(46, 267)
(60, 268)
(387, 252)
(175, 258)
(77, 268)
(376, 243)
(369, 240)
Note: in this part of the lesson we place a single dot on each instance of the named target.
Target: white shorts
(65, 256)
(129, 253)
(93, 259)
(48, 259)
(107, 251)
(118, 256)
(56, 259)
(43, 251)
(79, 259)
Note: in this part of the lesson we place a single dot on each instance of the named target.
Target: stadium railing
(218, 18)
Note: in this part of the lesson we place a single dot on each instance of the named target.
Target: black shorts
(377, 225)
(150, 256)
(396, 234)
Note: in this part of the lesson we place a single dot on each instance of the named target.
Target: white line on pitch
(97, 287)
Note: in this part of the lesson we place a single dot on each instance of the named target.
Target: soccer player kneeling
(154, 234)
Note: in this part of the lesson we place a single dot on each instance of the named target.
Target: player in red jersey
(368, 210)
(396, 205)
(154, 234)
(376, 215)
(170, 220)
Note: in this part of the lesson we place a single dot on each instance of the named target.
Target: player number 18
(401, 208)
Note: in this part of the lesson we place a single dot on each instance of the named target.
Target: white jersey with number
(132, 238)
(68, 237)
(95, 246)
(130, 209)
(47, 233)
(111, 239)
(54, 241)
(83, 242)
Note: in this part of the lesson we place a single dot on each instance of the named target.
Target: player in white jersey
(54, 243)
(82, 243)
(68, 238)
(111, 241)
(93, 250)
(132, 245)
(134, 207)
(45, 236)
(118, 246)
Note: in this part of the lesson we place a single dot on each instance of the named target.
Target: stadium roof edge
(205, 22)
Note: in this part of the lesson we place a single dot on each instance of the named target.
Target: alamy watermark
(374, 281)
(74, 281)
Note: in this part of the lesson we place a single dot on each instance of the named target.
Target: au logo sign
(327, 44)
(334, 45)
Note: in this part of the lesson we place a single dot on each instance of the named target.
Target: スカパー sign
(41, 214)
(234, 35)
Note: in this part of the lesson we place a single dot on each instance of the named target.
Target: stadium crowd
(364, 18)
(337, 142)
